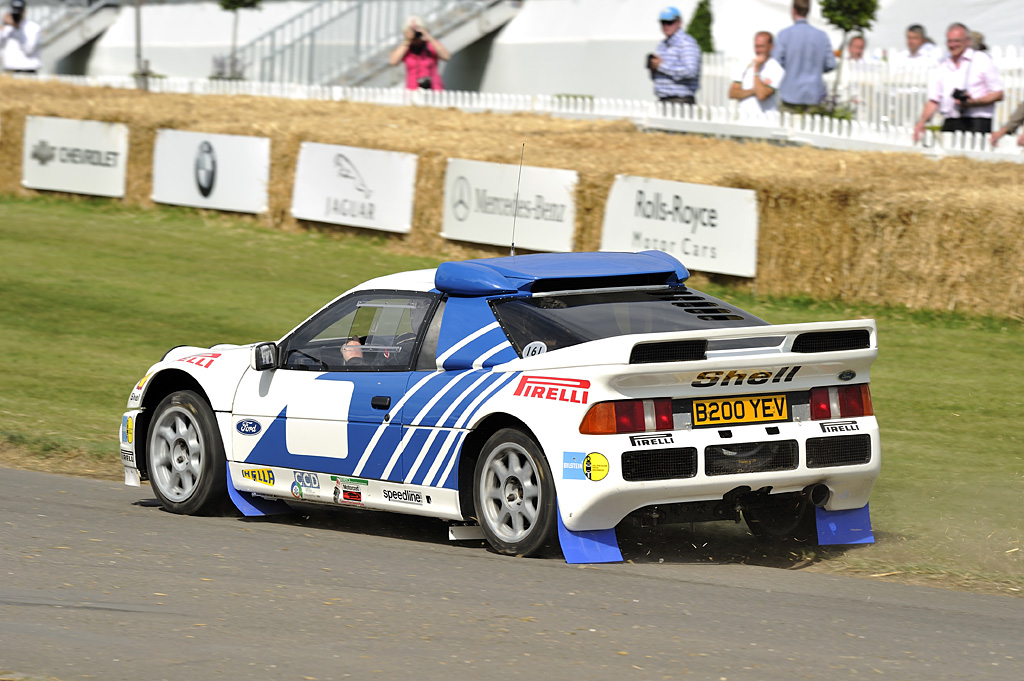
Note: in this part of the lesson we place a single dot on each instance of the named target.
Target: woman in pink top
(420, 52)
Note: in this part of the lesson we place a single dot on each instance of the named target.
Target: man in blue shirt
(806, 54)
(675, 65)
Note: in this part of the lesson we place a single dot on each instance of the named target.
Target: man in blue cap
(675, 64)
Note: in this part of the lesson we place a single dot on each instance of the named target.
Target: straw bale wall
(880, 228)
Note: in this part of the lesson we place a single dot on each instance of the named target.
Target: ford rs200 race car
(545, 397)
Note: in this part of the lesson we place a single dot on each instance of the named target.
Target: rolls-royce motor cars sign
(710, 229)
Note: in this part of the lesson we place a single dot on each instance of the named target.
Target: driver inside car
(352, 351)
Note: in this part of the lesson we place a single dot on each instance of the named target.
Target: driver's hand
(351, 350)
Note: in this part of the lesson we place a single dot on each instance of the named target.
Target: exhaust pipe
(818, 494)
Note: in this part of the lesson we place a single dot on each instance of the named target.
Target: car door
(334, 404)
(452, 381)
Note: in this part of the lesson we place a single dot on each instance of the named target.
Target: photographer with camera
(965, 90)
(19, 41)
(420, 52)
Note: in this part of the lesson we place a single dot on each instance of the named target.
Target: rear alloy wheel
(514, 494)
(186, 455)
(790, 516)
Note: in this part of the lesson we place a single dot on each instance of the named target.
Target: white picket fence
(890, 100)
(881, 92)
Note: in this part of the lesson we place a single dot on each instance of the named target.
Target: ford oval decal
(248, 427)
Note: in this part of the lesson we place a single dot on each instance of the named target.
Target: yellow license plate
(726, 411)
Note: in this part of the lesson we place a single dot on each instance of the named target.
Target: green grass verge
(92, 293)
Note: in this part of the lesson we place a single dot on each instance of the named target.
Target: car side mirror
(263, 356)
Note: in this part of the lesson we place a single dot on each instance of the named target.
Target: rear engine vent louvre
(751, 457)
(659, 464)
(831, 341)
(709, 310)
(670, 351)
(845, 450)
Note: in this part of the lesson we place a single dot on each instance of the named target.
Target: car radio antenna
(515, 209)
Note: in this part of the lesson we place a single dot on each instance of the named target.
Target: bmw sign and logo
(462, 194)
(206, 168)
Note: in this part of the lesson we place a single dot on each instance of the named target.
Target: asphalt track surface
(99, 582)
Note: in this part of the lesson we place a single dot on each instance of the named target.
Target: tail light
(628, 416)
(840, 402)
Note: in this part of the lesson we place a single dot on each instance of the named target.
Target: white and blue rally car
(541, 396)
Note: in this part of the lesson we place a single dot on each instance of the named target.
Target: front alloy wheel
(186, 456)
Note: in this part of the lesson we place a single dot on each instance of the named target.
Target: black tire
(186, 456)
(514, 494)
(790, 517)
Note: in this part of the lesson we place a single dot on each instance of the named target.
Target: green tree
(849, 16)
(234, 69)
(700, 26)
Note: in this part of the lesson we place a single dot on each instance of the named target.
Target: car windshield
(562, 320)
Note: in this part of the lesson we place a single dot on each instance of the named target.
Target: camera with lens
(960, 96)
(424, 83)
(418, 35)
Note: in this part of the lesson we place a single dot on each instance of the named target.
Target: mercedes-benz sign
(462, 194)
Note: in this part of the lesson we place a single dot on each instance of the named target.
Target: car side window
(427, 359)
(367, 331)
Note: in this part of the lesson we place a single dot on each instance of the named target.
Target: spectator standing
(19, 41)
(806, 55)
(420, 52)
(921, 51)
(855, 49)
(1016, 119)
(756, 84)
(978, 41)
(965, 89)
(675, 64)
(851, 74)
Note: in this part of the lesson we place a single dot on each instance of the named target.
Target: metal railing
(57, 19)
(335, 37)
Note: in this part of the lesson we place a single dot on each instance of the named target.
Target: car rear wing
(785, 344)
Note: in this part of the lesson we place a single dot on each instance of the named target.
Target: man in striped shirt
(675, 64)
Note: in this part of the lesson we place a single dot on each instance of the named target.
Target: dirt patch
(77, 464)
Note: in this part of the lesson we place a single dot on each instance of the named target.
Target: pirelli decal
(839, 427)
(708, 379)
(573, 390)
